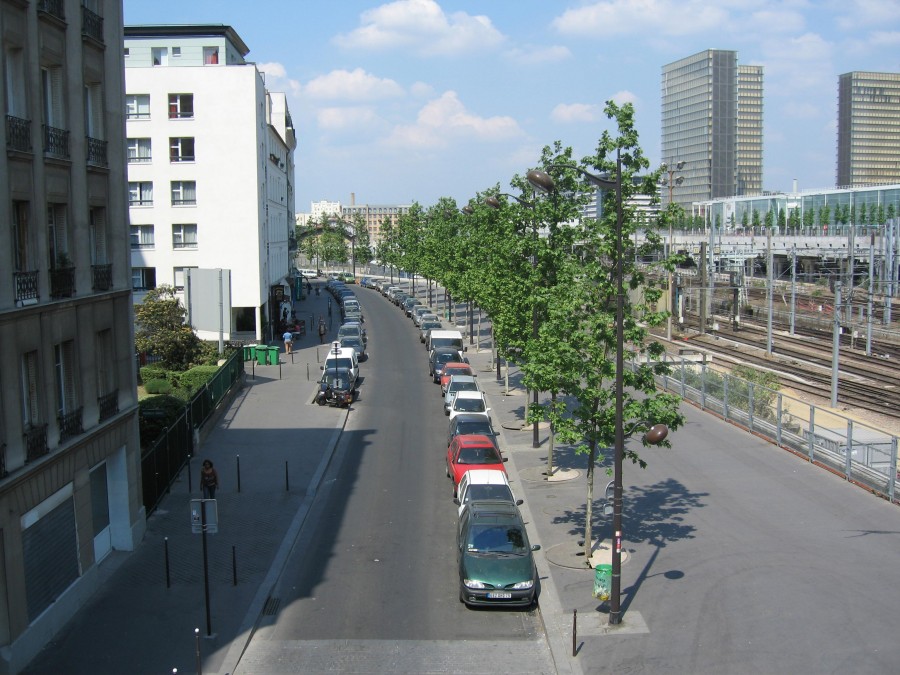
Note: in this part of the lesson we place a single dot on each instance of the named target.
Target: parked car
(494, 556)
(440, 357)
(356, 343)
(471, 423)
(352, 329)
(478, 485)
(451, 369)
(419, 311)
(468, 402)
(340, 379)
(472, 451)
(341, 357)
(426, 326)
(456, 384)
(410, 303)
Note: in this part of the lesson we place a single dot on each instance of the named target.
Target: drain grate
(271, 606)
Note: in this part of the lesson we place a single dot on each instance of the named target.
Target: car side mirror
(519, 502)
(535, 547)
(506, 459)
(321, 367)
(487, 410)
(456, 500)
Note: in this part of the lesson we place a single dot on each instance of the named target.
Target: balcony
(26, 284)
(3, 472)
(70, 425)
(101, 277)
(56, 142)
(62, 282)
(18, 134)
(96, 152)
(53, 8)
(91, 24)
(108, 404)
(36, 442)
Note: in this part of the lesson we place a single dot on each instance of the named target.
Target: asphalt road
(372, 583)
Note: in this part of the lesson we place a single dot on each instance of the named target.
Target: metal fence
(161, 462)
(859, 452)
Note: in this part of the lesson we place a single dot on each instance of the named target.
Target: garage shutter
(51, 557)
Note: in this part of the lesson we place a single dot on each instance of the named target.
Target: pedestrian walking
(322, 330)
(329, 308)
(209, 480)
(288, 338)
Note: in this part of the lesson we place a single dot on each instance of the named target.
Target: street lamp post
(672, 181)
(542, 181)
(495, 203)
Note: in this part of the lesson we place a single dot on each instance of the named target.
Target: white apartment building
(210, 169)
(70, 478)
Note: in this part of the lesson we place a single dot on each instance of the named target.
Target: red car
(454, 369)
(472, 451)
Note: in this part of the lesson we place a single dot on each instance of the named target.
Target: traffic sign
(198, 506)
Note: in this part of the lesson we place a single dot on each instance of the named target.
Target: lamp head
(468, 210)
(493, 202)
(540, 180)
(656, 434)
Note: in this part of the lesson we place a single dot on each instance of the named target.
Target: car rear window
(469, 404)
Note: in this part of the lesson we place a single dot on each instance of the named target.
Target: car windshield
(469, 404)
(496, 539)
(463, 386)
(486, 455)
(355, 343)
(475, 427)
(486, 492)
(442, 358)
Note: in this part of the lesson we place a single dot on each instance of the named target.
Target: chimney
(352, 199)
(795, 186)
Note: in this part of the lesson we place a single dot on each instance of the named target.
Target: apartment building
(210, 169)
(70, 485)
(868, 142)
(712, 122)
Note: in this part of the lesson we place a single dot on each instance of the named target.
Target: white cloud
(423, 27)
(446, 119)
(537, 55)
(802, 62)
(885, 38)
(868, 13)
(622, 97)
(339, 119)
(277, 78)
(356, 85)
(421, 90)
(642, 17)
(576, 112)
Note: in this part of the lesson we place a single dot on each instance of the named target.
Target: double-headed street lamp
(671, 180)
(541, 180)
(495, 203)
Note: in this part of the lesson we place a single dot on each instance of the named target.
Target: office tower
(712, 122)
(868, 129)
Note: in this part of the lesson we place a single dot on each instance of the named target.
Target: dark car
(340, 379)
(496, 565)
(471, 423)
(409, 303)
(439, 357)
(356, 343)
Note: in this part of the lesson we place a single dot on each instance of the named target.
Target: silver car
(458, 383)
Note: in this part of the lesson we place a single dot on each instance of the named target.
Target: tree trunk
(589, 507)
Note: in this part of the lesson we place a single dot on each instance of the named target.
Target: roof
(474, 441)
(189, 30)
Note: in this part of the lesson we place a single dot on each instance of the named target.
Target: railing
(140, 159)
(860, 453)
(36, 442)
(70, 424)
(18, 134)
(96, 152)
(3, 472)
(26, 285)
(52, 7)
(108, 404)
(56, 142)
(140, 202)
(91, 24)
(184, 202)
(101, 277)
(62, 282)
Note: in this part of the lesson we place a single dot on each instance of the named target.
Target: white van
(309, 274)
(342, 357)
(445, 338)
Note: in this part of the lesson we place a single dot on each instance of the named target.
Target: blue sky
(412, 100)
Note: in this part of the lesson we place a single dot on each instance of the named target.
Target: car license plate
(500, 595)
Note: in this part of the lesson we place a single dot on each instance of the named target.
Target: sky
(413, 100)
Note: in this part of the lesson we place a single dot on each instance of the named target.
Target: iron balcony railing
(96, 152)
(108, 404)
(3, 472)
(56, 142)
(52, 7)
(70, 424)
(101, 277)
(36, 442)
(18, 134)
(26, 285)
(62, 282)
(91, 24)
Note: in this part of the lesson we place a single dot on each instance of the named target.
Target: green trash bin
(273, 356)
(248, 354)
(251, 353)
(261, 351)
(602, 581)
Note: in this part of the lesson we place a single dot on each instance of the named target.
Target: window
(181, 149)
(51, 91)
(64, 365)
(176, 52)
(15, 84)
(210, 56)
(98, 235)
(142, 236)
(106, 381)
(184, 235)
(181, 106)
(20, 232)
(137, 106)
(93, 110)
(178, 273)
(143, 278)
(127, 52)
(139, 150)
(140, 193)
(159, 56)
(31, 408)
(184, 192)
(57, 236)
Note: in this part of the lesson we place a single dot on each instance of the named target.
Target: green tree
(745, 219)
(362, 244)
(826, 214)
(770, 219)
(782, 220)
(863, 214)
(809, 217)
(754, 219)
(161, 329)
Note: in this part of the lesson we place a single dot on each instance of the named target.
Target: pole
(793, 285)
(835, 344)
(770, 274)
(871, 299)
(669, 255)
(615, 612)
(205, 567)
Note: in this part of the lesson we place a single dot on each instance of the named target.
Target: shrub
(157, 386)
(155, 413)
(152, 372)
(196, 377)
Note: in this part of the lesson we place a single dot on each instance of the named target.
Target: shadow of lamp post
(542, 181)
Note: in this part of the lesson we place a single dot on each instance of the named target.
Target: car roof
(459, 364)
(474, 441)
(493, 508)
(469, 394)
(486, 477)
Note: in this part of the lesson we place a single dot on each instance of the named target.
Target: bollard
(574, 632)
(190, 487)
(233, 565)
(238, 458)
(307, 372)
(166, 547)
(287, 487)
(197, 640)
